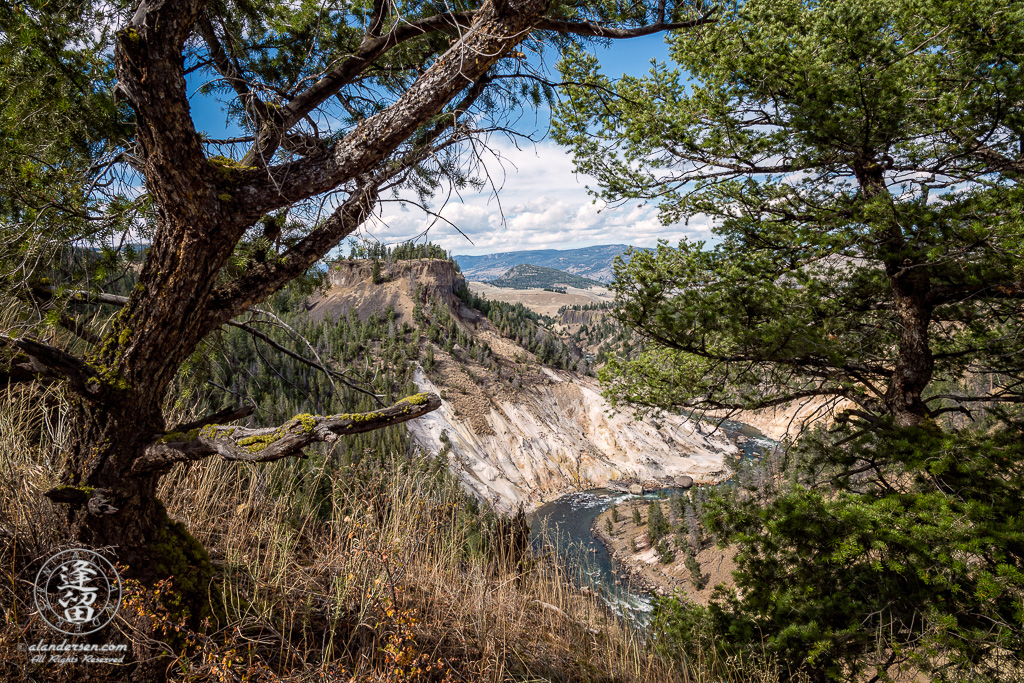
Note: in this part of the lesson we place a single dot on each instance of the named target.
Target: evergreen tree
(860, 163)
(657, 524)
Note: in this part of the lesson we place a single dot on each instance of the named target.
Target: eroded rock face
(352, 288)
(519, 432)
(560, 437)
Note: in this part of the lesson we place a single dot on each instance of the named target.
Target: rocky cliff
(559, 435)
(351, 286)
(516, 432)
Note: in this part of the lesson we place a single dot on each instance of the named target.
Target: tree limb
(275, 443)
(232, 298)
(49, 361)
(992, 398)
(945, 294)
(496, 29)
(229, 414)
(99, 298)
(593, 30)
(374, 46)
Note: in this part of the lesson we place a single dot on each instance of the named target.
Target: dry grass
(325, 574)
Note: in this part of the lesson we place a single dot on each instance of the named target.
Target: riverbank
(634, 557)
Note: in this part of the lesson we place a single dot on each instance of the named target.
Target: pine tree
(657, 524)
(860, 161)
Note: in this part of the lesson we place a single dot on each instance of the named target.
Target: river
(564, 526)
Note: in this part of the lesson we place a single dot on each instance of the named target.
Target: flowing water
(563, 526)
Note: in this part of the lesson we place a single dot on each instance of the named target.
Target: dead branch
(48, 361)
(229, 414)
(275, 443)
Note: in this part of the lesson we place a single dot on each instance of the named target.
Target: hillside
(528, 276)
(594, 263)
(515, 431)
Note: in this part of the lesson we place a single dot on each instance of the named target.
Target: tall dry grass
(328, 573)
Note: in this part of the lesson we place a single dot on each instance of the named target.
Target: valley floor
(541, 300)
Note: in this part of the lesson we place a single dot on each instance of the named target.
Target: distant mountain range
(526, 276)
(589, 262)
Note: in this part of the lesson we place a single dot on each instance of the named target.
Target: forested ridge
(525, 276)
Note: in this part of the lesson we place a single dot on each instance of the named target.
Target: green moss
(101, 361)
(417, 399)
(216, 432)
(226, 169)
(176, 553)
(180, 436)
(225, 197)
(307, 421)
(254, 444)
(302, 423)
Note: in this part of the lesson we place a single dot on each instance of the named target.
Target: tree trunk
(121, 510)
(914, 362)
(910, 286)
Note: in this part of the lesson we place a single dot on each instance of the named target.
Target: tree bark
(121, 511)
(914, 362)
(912, 305)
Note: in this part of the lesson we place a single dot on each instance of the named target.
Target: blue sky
(543, 204)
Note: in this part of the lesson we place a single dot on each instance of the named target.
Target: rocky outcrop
(569, 316)
(351, 287)
(562, 436)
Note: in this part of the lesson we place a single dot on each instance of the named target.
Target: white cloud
(545, 206)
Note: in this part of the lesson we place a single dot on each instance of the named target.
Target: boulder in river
(636, 489)
(684, 481)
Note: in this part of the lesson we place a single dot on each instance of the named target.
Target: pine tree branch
(229, 414)
(593, 30)
(48, 361)
(989, 398)
(275, 443)
(248, 329)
